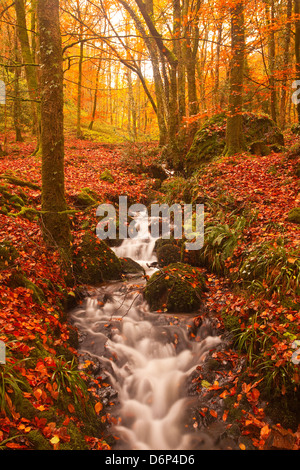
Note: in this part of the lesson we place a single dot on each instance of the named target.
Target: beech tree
(234, 132)
(30, 66)
(55, 219)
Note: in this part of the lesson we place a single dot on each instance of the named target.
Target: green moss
(129, 266)
(95, 262)
(18, 182)
(107, 176)
(28, 213)
(168, 254)
(26, 409)
(38, 441)
(294, 215)
(209, 141)
(77, 441)
(178, 189)
(177, 288)
(231, 322)
(85, 198)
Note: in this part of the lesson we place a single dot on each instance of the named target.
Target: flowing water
(147, 356)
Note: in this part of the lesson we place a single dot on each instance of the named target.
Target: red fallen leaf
(213, 413)
(13, 445)
(253, 395)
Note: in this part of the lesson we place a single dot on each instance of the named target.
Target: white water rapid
(146, 356)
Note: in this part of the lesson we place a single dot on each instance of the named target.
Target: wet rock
(129, 266)
(94, 261)
(176, 288)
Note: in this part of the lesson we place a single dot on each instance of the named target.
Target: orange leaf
(98, 407)
(225, 414)
(71, 408)
(38, 393)
(265, 431)
(213, 413)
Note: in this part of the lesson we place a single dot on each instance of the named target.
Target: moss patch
(129, 266)
(107, 176)
(168, 254)
(294, 215)
(85, 198)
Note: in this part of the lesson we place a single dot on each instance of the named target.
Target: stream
(145, 357)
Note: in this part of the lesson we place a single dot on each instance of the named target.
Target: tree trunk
(270, 12)
(285, 63)
(95, 96)
(79, 88)
(56, 229)
(234, 132)
(297, 47)
(30, 69)
(17, 102)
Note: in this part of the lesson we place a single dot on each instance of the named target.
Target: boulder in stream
(94, 261)
(129, 266)
(176, 288)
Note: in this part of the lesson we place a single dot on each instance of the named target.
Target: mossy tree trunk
(55, 219)
(234, 132)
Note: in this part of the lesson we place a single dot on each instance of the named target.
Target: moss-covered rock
(94, 262)
(168, 254)
(107, 176)
(294, 215)
(209, 141)
(85, 198)
(259, 148)
(129, 266)
(176, 288)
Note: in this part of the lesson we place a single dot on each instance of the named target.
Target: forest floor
(36, 412)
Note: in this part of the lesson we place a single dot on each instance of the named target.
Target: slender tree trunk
(56, 228)
(79, 90)
(95, 97)
(270, 13)
(217, 68)
(131, 108)
(297, 47)
(16, 104)
(234, 130)
(285, 63)
(30, 69)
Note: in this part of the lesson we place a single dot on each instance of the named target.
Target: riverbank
(42, 346)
